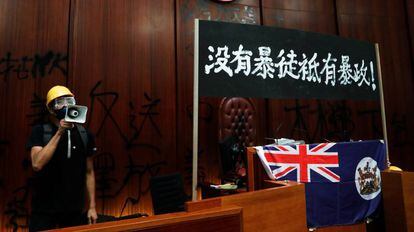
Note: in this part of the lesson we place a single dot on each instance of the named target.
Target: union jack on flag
(280, 160)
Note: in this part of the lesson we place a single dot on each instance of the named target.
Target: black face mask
(60, 114)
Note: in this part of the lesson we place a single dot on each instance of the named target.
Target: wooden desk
(273, 209)
(221, 219)
(398, 197)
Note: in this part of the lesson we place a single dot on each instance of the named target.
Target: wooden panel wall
(131, 63)
(33, 47)
(386, 22)
(123, 65)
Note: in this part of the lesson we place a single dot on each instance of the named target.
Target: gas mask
(60, 114)
(60, 106)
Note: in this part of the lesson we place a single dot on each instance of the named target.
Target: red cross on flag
(283, 159)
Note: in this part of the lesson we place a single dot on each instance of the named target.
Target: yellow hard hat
(57, 91)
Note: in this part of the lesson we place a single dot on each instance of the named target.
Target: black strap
(83, 134)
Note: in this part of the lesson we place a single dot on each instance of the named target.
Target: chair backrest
(167, 193)
(237, 118)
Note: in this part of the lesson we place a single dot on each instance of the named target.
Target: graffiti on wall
(107, 186)
(146, 116)
(299, 128)
(39, 111)
(37, 65)
(334, 122)
(17, 209)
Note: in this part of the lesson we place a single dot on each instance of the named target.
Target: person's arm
(41, 155)
(90, 185)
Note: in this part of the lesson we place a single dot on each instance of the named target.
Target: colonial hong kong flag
(343, 181)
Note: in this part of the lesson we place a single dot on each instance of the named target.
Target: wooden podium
(398, 197)
(281, 208)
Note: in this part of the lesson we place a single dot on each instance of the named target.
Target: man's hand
(92, 216)
(63, 125)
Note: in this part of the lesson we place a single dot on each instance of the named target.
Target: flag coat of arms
(343, 182)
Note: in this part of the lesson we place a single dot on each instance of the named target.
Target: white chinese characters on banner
(290, 65)
(264, 63)
(243, 60)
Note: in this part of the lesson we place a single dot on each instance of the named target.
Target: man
(61, 158)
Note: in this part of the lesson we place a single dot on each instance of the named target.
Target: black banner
(268, 62)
